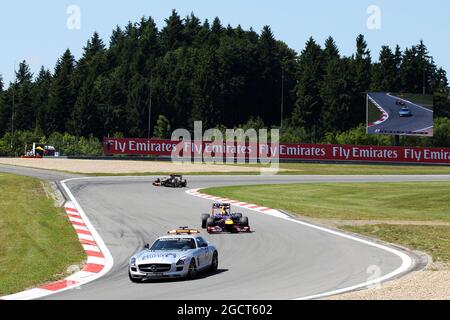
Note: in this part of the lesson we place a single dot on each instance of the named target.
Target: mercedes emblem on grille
(153, 268)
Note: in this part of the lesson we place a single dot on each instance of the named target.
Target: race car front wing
(235, 228)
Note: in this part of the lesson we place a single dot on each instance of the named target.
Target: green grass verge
(374, 114)
(435, 240)
(38, 243)
(417, 201)
(420, 201)
(296, 169)
(359, 169)
(310, 169)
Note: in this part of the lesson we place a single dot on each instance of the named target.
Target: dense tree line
(225, 76)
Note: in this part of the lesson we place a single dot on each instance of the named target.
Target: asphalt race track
(280, 260)
(421, 120)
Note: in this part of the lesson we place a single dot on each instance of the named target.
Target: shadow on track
(201, 275)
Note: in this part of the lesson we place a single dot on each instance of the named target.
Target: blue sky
(37, 30)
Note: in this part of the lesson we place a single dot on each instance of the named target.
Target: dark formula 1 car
(400, 103)
(223, 220)
(174, 181)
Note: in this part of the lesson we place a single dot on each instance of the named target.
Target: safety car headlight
(182, 261)
(133, 262)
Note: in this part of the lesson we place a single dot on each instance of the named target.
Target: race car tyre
(239, 215)
(215, 262)
(192, 273)
(204, 220)
(134, 280)
(210, 222)
(244, 221)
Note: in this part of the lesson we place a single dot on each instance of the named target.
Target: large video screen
(404, 114)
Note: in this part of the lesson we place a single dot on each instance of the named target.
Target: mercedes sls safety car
(182, 253)
(405, 112)
(222, 219)
(173, 181)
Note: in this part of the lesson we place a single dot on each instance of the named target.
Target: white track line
(414, 104)
(424, 129)
(385, 116)
(109, 261)
(407, 262)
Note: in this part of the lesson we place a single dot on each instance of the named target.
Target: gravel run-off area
(122, 166)
(433, 283)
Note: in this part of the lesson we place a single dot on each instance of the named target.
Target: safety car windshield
(173, 244)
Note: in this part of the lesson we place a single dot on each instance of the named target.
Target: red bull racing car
(222, 220)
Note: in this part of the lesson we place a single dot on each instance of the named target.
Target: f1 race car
(400, 103)
(405, 112)
(222, 219)
(183, 253)
(173, 181)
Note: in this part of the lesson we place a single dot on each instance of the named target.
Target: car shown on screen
(400, 103)
(405, 112)
(183, 253)
(173, 181)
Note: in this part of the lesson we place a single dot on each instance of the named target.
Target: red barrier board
(138, 146)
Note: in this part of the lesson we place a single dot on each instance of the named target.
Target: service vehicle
(182, 253)
(405, 112)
